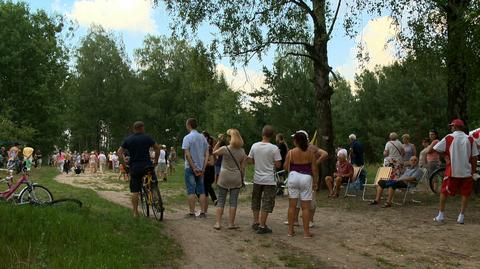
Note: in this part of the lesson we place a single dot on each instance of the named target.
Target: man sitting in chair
(343, 174)
(412, 175)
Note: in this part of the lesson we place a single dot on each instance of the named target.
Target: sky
(132, 20)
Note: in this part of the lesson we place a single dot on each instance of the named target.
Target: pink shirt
(344, 168)
(433, 156)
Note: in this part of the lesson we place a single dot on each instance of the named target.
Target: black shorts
(394, 184)
(136, 175)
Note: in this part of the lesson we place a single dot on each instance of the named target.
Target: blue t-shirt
(357, 156)
(138, 145)
(197, 144)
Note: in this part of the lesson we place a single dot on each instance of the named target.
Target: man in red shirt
(460, 152)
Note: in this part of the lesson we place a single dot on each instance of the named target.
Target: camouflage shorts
(263, 196)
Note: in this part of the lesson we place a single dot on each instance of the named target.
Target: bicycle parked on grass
(32, 193)
(150, 196)
(436, 179)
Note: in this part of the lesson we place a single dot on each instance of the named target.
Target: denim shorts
(193, 183)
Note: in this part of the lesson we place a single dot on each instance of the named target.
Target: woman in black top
(209, 176)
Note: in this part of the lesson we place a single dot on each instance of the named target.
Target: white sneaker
(439, 220)
(311, 224)
(461, 219)
(476, 176)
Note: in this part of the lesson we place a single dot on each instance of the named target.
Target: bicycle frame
(8, 194)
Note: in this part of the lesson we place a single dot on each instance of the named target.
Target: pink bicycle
(32, 193)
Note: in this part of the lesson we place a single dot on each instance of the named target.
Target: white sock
(440, 215)
(461, 218)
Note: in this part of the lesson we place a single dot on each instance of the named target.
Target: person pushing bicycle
(138, 145)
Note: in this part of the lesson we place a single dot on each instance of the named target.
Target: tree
(33, 67)
(446, 27)
(251, 27)
(102, 93)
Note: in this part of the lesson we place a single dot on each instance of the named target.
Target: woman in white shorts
(302, 178)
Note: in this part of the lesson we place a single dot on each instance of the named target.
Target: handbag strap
(399, 152)
(238, 166)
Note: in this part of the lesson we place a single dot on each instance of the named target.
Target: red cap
(457, 122)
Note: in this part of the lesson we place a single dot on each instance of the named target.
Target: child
(123, 172)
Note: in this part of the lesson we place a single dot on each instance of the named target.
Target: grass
(99, 235)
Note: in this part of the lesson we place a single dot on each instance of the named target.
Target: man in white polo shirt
(460, 152)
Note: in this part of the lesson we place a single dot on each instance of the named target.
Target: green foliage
(175, 81)
(406, 97)
(33, 66)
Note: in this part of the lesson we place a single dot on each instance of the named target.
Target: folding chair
(355, 176)
(382, 173)
(411, 187)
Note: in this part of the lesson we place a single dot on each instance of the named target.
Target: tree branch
(335, 77)
(304, 6)
(334, 19)
(301, 55)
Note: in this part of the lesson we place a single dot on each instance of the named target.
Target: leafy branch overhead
(247, 27)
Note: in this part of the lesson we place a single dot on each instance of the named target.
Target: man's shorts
(136, 175)
(394, 184)
(193, 183)
(263, 197)
(451, 186)
(162, 167)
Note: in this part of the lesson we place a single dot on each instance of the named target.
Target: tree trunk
(323, 91)
(456, 66)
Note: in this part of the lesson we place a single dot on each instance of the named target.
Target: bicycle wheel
(144, 203)
(157, 203)
(436, 180)
(37, 194)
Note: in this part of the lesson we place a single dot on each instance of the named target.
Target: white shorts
(299, 186)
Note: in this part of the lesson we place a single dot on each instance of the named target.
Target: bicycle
(150, 196)
(32, 193)
(436, 178)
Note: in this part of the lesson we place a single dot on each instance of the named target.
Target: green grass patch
(98, 235)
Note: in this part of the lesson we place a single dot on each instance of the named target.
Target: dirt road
(348, 234)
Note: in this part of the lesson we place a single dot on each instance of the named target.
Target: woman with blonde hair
(409, 149)
(231, 176)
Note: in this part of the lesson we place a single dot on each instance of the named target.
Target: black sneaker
(256, 226)
(202, 216)
(264, 230)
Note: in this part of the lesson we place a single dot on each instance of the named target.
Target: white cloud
(131, 15)
(242, 79)
(374, 41)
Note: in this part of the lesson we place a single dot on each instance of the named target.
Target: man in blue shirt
(138, 145)
(357, 159)
(195, 148)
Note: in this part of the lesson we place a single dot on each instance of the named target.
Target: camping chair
(355, 176)
(411, 187)
(382, 173)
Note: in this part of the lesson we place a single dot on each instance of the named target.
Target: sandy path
(372, 238)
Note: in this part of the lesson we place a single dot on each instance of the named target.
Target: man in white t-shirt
(162, 164)
(460, 153)
(102, 159)
(476, 136)
(266, 158)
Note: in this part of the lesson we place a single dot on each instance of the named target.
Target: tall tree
(101, 92)
(33, 67)
(251, 27)
(444, 26)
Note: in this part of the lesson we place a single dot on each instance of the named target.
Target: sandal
(386, 205)
(216, 227)
(234, 227)
(374, 202)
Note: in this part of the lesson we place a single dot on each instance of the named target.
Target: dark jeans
(208, 181)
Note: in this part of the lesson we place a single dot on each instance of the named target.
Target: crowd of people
(223, 161)
(18, 157)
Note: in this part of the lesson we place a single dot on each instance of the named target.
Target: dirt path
(345, 237)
